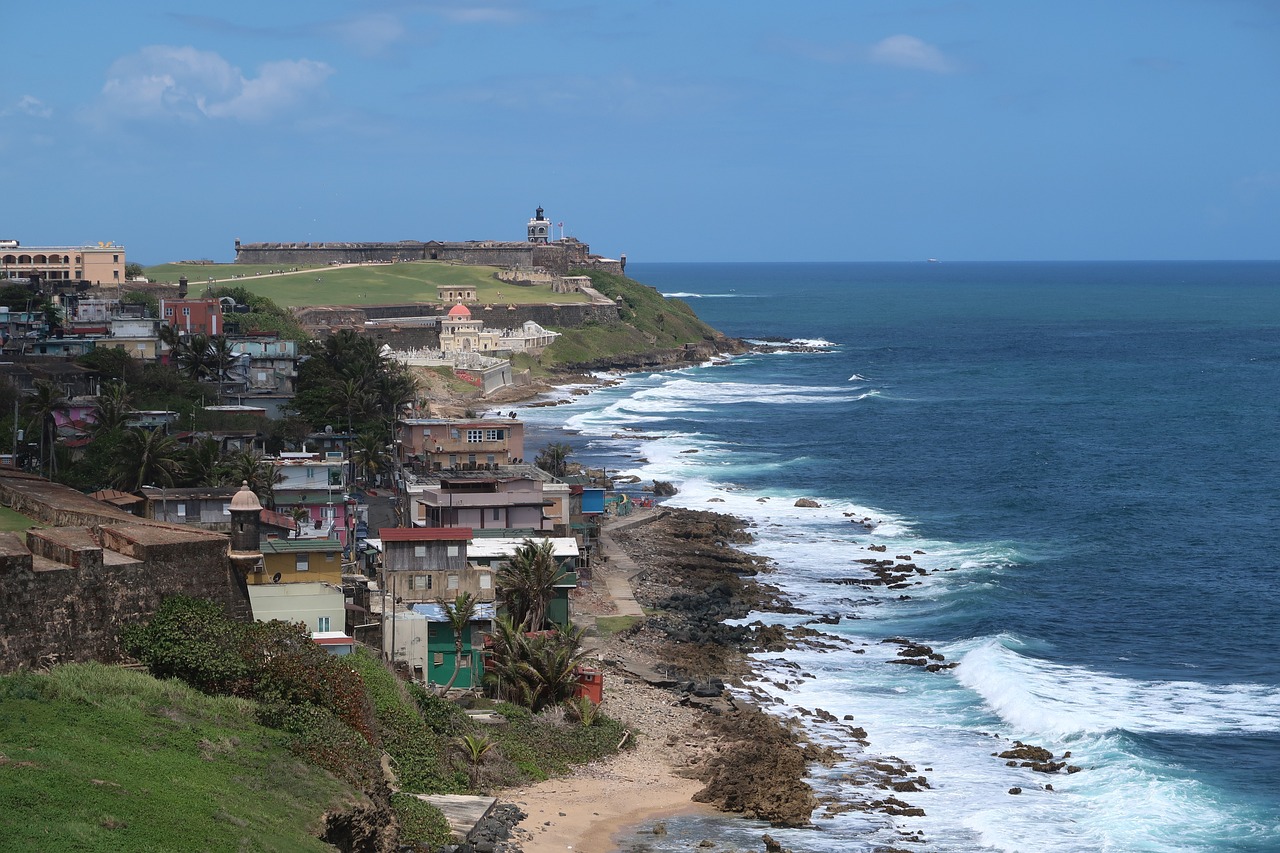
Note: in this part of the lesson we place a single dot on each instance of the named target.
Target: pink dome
(459, 310)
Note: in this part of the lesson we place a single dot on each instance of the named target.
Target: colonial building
(193, 316)
(102, 264)
(460, 333)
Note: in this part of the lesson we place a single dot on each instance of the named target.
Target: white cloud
(903, 51)
(163, 81)
(34, 107)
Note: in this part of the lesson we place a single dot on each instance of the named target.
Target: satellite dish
(328, 430)
(275, 578)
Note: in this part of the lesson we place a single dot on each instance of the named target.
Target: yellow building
(300, 561)
(101, 264)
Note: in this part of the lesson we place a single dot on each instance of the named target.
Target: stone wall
(558, 257)
(323, 322)
(67, 591)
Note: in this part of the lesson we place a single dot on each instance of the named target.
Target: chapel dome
(245, 499)
(459, 310)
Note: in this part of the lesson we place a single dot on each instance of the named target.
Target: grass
(607, 626)
(10, 520)
(99, 758)
(373, 284)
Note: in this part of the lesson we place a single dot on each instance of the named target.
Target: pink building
(461, 444)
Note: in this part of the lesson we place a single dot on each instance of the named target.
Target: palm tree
(370, 455)
(222, 354)
(147, 457)
(534, 670)
(554, 459)
(459, 614)
(260, 473)
(194, 357)
(111, 409)
(351, 398)
(474, 749)
(204, 463)
(527, 582)
(45, 400)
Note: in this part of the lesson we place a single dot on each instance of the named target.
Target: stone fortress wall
(558, 257)
(67, 590)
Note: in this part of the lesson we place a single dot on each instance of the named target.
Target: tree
(204, 464)
(459, 614)
(474, 749)
(112, 408)
(370, 455)
(526, 584)
(554, 459)
(147, 457)
(132, 271)
(534, 670)
(45, 400)
(262, 475)
(194, 357)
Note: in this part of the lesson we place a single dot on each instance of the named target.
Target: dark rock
(1015, 790)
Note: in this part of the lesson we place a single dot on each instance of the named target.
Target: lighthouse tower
(539, 228)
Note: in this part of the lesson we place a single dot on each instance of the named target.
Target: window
(454, 551)
(464, 663)
(471, 459)
(226, 509)
(182, 510)
(486, 580)
(168, 312)
(454, 433)
(422, 581)
(475, 436)
(452, 582)
(437, 659)
(328, 558)
(496, 513)
(419, 550)
(301, 564)
(493, 435)
(322, 623)
(186, 312)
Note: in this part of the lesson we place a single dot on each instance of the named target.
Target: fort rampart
(67, 591)
(558, 257)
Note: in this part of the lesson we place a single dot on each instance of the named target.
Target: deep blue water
(1093, 449)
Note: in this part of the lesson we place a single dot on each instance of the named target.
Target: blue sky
(671, 131)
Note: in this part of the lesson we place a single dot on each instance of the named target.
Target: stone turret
(246, 522)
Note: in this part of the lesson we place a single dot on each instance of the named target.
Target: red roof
(459, 310)
(424, 534)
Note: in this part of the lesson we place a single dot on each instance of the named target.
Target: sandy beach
(586, 811)
(600, 806)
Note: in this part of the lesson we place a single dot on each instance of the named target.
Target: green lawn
(10, 520)
(98, 758)
(374, 284)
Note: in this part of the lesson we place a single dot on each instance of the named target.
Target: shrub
(421, 824)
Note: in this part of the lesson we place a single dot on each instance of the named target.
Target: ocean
(1084, 461)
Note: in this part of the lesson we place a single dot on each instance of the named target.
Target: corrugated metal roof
(424, 534)
(294, 546)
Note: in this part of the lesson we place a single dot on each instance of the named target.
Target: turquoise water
(1087, 455)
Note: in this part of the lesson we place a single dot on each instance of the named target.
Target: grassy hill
(374, 284)
(648, 322)
(100, 758)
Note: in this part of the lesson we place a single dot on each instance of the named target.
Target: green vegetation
(98, 758)
(10, 520)
(372, 284)
(542, 745)
(420, 823)
(607, 626)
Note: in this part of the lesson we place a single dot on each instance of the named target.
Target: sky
(668, 130)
